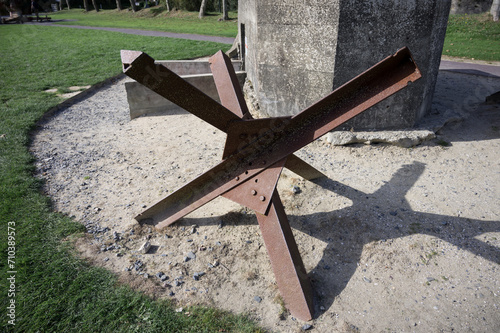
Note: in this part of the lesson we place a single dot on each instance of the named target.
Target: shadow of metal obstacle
(256, 151)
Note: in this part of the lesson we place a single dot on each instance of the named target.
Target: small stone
(296, 190)
(196, 276)
(106, 259)
(322, 308)
(193, 228)
(430, 279)
(171, 293)
(179, 310)
(393, 213)
(367, 280)
(306, 327)
(145, 247)
(146, 275)
(257, 299)
(189, 240)
(191, 255)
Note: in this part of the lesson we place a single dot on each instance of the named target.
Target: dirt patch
(394, 240)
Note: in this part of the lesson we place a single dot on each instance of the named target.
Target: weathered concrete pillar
(298, 51)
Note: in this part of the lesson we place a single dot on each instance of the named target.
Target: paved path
(469, 68)
(225, 40)
(460, 67)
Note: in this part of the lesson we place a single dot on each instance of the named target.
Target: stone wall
(298, 51)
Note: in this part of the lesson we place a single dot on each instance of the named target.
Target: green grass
(472, 36)
(154, 19)
(55, 290)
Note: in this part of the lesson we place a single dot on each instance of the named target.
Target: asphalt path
(225, 40)
(459, 67)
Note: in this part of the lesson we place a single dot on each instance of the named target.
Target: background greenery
(190, 5)
(156, 18)
(56, 291)
(472, 36)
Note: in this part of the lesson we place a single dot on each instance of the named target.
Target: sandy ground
(395, 240)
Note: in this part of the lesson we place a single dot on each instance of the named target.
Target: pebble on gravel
(145, 247)
(257, 299)
(306, 327)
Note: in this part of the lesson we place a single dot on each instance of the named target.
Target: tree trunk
(86, 5)
(495, 10)
(225, 9)
(67, 3)
(202, 8)
(167, 5)
(132, 3)
(94, 3)
(119, 4)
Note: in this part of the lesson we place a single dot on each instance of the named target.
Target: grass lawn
(472, 36)
(155, 18)
(53, 290)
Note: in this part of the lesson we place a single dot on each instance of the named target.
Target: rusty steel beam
(263, 142)
(142, 68)
(286, 262)
(256, 151)
(231, 97)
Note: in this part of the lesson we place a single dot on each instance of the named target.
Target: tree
(94, 3)
(495, 10)
(167, 5)
(67, 3)
(119, 4)
(202, 8)
(86, 5)
(225, 9)
(132, 4)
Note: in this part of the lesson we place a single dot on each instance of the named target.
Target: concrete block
(296, 52)
(142, 101)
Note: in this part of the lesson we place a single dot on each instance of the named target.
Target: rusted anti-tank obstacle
(256, 150)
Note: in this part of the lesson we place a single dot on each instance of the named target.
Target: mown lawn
(53, 290)
(155, 18)
(472, 36)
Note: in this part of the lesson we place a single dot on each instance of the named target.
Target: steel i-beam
(256, 151)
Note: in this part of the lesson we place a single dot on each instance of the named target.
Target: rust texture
(256, 151)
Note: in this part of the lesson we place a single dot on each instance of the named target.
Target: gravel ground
(395, 240)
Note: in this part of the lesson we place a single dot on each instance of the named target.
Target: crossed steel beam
(256, 151)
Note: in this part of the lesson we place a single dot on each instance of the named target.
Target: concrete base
(296, 52)
(142, 101)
